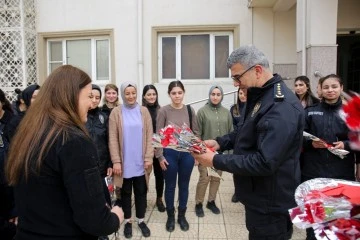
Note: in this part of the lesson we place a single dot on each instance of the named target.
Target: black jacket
(266, 149)
(66, 200)
(323, 121)
(105, 109)
(12, 125)
(97, 125)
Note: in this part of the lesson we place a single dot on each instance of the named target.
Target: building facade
(159, 41)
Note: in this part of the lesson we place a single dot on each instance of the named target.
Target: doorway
(348, 60)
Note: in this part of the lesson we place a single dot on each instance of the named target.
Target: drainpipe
(303, 70)
(140, 58)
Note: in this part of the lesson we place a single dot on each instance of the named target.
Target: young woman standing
(322, 120)
(111, 99)
(130, 135)
(176, 164)
(214, 121)
(150, 101)
(303, 91)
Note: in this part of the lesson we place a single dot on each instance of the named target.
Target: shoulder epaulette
(278, 94)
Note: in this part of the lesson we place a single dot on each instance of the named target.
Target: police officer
(265, 160)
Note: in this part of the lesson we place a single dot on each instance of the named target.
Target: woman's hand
(117, 169)
(163, 164)
(109, 172)
(339, 145)
(147, 164)
(319, 144)
(119, 212)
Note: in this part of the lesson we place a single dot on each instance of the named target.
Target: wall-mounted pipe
(303, 70)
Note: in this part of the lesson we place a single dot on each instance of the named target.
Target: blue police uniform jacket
(323, 121)
(265, 160)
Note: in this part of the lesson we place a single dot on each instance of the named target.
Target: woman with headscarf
(25, 98)
(131, 152)
(213, 121)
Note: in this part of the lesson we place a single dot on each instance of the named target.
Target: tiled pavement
(229, 224)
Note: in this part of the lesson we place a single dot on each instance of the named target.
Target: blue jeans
(182, 164)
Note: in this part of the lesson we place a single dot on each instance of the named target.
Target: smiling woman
(55, 168)
(130, 134)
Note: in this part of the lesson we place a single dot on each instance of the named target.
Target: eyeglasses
(236, 78)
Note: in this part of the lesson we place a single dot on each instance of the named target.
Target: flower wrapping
(322, 199)
(338, 152)
(181, 139)
(110, 185)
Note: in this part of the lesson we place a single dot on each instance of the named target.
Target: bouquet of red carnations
(178, 138)
(322, 201)
(350, 113)
(181, 139)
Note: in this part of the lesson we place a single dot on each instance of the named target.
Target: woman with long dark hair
(52, 164)
(303, 91)
(150, 101)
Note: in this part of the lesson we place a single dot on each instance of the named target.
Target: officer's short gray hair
(247, 56)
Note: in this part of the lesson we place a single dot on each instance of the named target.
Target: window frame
(232, 31)
(45, 38)
(93, 42)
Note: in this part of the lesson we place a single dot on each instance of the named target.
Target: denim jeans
(182, 164)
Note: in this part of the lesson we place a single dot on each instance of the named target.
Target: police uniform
(265, 161)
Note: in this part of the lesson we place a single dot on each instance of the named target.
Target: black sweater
(66, 200)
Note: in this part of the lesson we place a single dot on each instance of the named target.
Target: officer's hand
(205, 159)
(212, 144)
(319, 144)
(339, 145)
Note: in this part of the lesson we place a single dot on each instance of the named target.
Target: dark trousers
(140, 191)
(268, 226)
(180, 164)
(159, 178)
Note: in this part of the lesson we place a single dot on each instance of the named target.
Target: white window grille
(17, 45)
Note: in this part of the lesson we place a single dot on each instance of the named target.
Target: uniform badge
(256, 109)
(101, 118)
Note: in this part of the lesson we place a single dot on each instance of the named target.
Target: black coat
(97, 125)
(323, 121)
(66, 199)
(265, 161)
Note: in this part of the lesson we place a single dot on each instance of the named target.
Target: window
(194, 56)
(92, 55)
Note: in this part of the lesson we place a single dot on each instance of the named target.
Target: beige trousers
(202, 184)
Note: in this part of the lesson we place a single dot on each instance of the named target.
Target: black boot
(160, 205)
(184, 225)
(170, 223)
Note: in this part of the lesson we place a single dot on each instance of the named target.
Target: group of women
(58, 178)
